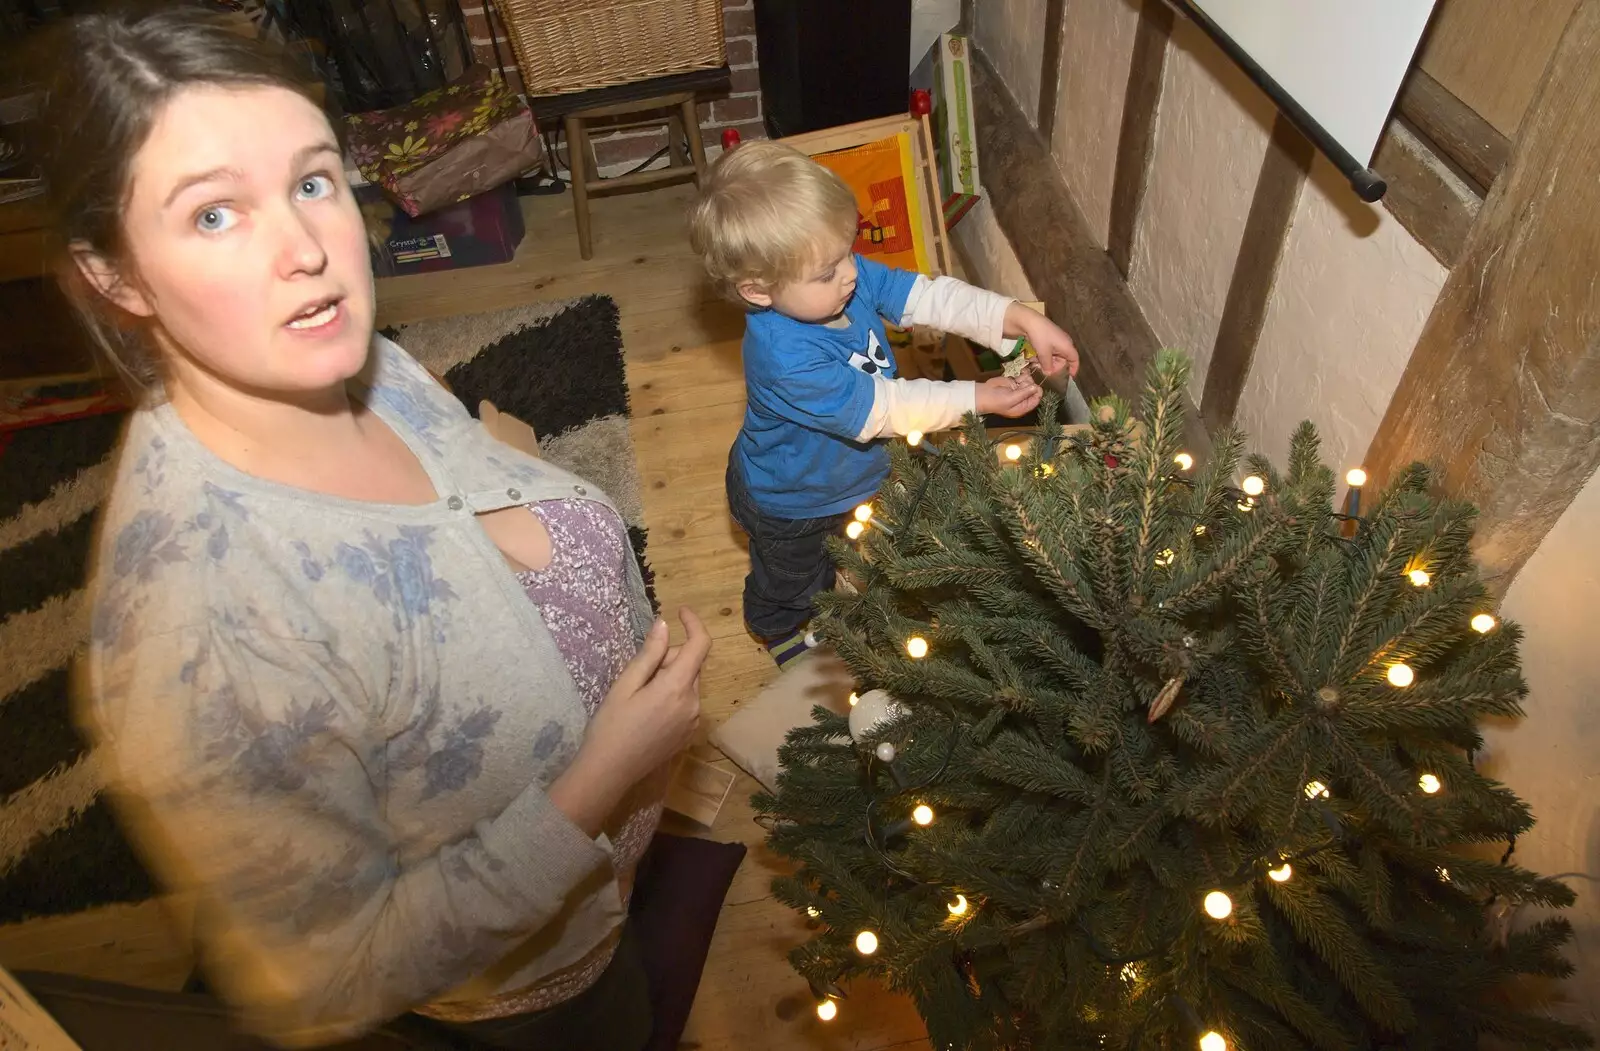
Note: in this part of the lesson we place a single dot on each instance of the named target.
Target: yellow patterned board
(889, 223)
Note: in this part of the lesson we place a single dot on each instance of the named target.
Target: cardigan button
(454, 503)
(515, 494)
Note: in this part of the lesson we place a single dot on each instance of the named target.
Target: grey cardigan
(334, 722)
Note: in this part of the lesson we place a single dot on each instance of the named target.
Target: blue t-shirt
(810, 392)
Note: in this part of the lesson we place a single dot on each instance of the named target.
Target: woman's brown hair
(111, 75)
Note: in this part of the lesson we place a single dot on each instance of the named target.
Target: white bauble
(874, 707)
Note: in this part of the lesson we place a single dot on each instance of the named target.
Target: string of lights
(1217, 903)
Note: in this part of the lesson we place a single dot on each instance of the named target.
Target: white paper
(24, 1025)
(1342, 60)
(929, 20)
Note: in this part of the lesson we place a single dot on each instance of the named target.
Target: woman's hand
(1049, 340)
(648, 716)
(1007, 396)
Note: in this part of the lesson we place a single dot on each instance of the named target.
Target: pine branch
(1318, 924)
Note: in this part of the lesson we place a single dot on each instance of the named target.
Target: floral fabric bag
(448, 145)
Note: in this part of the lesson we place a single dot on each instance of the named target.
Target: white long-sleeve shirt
(901, 406)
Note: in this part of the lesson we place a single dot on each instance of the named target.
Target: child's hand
(1008, 396)
(1050, 341)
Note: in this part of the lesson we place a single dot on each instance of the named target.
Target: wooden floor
(682, 348)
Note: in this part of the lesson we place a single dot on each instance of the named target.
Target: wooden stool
(681, 123)
(675, 94)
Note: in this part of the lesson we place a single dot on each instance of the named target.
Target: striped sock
(786, 650)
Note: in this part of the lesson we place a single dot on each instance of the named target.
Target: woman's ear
(106, 279)
(754, 293)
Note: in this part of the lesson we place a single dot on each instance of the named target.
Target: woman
(384, 694)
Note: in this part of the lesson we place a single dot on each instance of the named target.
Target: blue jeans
(789, 563)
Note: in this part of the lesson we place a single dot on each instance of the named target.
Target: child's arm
(832, 397)
(987, 318)
(900, 406)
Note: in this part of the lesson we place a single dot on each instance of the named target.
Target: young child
(776, 231)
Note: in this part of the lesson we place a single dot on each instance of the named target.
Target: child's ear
(754, 293)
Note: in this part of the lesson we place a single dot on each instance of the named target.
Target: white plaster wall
(1096, 52)
(1011, 34)
(1211, 133)
(1550, 758)
(1352, 294)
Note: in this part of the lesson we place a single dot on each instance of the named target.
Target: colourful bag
(448, 145)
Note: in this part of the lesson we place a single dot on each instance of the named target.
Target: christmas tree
(1151, 753)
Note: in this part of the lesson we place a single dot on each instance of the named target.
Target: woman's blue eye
(215, 219)
(314, 187)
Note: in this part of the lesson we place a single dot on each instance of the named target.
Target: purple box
(479, 231)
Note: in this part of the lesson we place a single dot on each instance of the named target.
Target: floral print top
(332, 722)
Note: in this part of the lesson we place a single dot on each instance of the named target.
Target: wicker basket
(565, 46)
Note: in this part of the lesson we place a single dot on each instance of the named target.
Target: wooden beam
(1050, 75)
(1450, 125)
(1502, 391)
(1426, 194)
(1255, 270)
(1138, 134)
(1067, 268)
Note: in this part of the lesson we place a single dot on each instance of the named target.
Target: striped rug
(556, 366)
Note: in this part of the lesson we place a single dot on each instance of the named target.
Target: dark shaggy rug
(558, 367)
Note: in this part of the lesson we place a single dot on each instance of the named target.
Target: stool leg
(697, 148)
(577, 147)
(675, 136)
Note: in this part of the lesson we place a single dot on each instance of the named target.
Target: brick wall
(623, 145)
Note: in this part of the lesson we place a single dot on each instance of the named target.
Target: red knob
(921, 103)
(730, 138)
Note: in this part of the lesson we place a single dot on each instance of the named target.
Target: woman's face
(247, 247)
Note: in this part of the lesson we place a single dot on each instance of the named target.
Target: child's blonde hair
(766, 213)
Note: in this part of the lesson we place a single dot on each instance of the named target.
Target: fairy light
(1401, 675)
(1247, 505)
(1281, 874)
(1444, 874)
(855, 699)
(1218, 905)
(1213, 1041)
(1355, 478)
(1430, 783)
(922, 815)
(1013, 452)
(827, 1010)
(854, 530)
(863, 512)
(913, 438)
(1316, 790)
(1419, 577)
(1044, 470)
(1130, 973)
(813, 911)
(1253, 485)
(1165, 557)
(1184, 461)
(866, 943)
(1483, 623)
(917, 647)
(1199, 530)
(957, 907)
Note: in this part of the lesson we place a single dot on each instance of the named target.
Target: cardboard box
(479, 231)
(954, 125)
